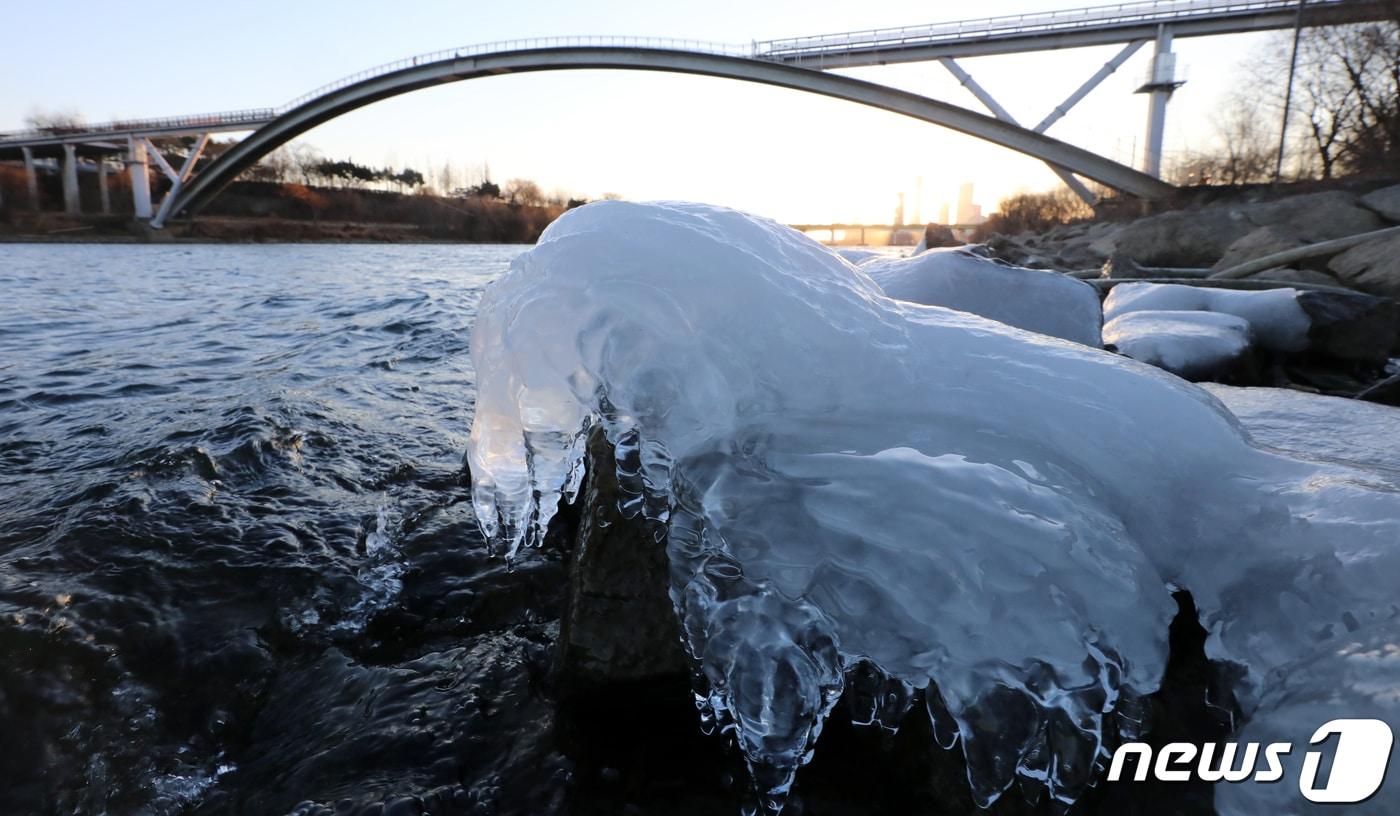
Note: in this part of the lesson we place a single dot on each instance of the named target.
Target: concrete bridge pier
(31, 179)
(71, 203)
(102, 186)
(136, 164)
(1160, 84)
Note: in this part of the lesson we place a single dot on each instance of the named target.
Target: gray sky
(788, 155)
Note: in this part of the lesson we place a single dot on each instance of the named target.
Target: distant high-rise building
(918, 200)
(968, 213)
(943, 213)
(899, 212)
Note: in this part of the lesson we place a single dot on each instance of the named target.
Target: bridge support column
(140, 177)
(177, 179)
(31, 179)
(1004, 115)
(1160, 85)
(102, 189)
(1090, 84)
(71, 203)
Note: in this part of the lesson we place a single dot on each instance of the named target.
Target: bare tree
(1243, 151)
(523, 192)
(57, 121)
(1348, 86)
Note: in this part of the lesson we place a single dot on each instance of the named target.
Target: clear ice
(860, 491)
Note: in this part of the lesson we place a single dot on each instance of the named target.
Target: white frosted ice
(1275, 316)
(843, 477)
(1315, 426)
(857, 255)
(1188, 344)
(1034, 299)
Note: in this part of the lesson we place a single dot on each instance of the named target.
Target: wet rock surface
(635, 746)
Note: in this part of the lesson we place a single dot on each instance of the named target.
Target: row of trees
(1344, 114)
(298, 163)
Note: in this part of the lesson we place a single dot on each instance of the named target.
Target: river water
(238, 566)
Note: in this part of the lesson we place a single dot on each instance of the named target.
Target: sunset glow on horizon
(795, 157)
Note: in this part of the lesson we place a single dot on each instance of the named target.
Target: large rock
(1257, 244)
(940, 235)
(1183, 239)
(1350, 325)
(618, 624)
(1202, 237)
(1305, 276)
(1032, 299)
(1315, 217)
(1317, 324)
(1385, 202)
(1372, 267)
(1275, 318)
(1195, 345)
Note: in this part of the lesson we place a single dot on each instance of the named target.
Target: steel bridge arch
(338, 101)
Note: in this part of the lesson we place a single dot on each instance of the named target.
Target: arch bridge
(801, 64)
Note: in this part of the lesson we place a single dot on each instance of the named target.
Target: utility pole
(1288, 93)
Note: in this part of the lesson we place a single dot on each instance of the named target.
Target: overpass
(801, 63)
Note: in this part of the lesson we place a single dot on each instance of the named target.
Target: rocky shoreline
(1350, 294)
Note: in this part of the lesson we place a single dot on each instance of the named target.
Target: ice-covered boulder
(1033, 299)
(843, 479)
(1348, 326)
(1194, 345)
(857, 255)
(1274, 315)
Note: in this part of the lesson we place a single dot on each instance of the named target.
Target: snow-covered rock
(857, 255)
(844, 477)
(1032, 299)
(1194, 345)
(1274, 315)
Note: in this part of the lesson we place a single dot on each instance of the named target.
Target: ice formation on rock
(848, 480)
(858, 255)
(1314, 426)
(1275, 316)
(1188, 344)
(1034, 299)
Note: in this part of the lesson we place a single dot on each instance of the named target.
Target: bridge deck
(1026, 32)
(1070, 28)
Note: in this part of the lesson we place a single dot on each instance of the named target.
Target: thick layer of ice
(1275, 316)
(1188, 344)
(849, 481)
(1033, 299)
(1315, 426)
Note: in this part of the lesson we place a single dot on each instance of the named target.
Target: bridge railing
(192, 121)
(531, 43)
(1018, 24)
(255, 117)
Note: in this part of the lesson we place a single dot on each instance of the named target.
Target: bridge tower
(1161, 82)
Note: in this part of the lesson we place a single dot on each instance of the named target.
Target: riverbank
(55, 228)
(267, 212)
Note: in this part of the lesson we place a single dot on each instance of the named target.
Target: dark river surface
(239, 571)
